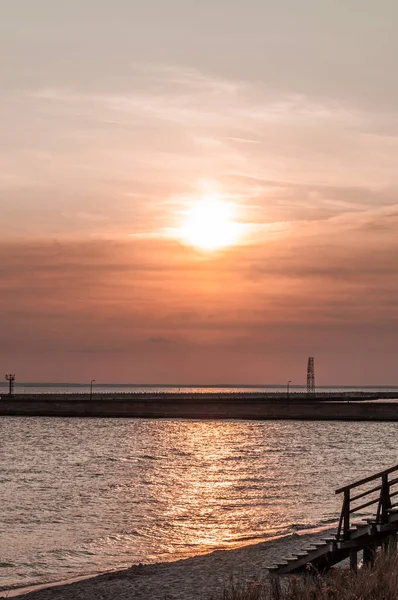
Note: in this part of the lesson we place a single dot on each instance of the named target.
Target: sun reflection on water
(128, 491)
(203, 507)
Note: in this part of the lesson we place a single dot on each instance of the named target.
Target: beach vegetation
(377, 582)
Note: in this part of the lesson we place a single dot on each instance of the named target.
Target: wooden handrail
(383, 500)
(375, 489)
(365, 505)
(367, 479)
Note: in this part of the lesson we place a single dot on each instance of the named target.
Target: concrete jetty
(358, 406)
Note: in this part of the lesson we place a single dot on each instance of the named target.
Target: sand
(201, 577)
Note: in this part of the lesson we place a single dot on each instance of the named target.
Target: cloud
(160, 340)
(138, 301)
(128, 158)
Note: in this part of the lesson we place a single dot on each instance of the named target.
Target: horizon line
(198, 385)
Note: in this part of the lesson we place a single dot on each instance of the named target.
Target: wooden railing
(381, 501)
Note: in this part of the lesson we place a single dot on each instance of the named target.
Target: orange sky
(114, 129)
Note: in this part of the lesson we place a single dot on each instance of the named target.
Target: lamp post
(91, 389)
(288, 389)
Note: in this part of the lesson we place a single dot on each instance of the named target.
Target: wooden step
(292, 559)
(320, 545)
(286, 559)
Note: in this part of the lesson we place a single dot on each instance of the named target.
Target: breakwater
(358, 406)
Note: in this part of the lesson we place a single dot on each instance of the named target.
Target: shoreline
(195, 578)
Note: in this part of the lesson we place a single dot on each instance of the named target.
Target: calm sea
(82, 496)
(79, 388)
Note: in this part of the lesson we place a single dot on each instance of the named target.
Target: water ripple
(80, 496)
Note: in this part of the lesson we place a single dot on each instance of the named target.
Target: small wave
(257, 486)
(245, 538)
(122, 459)
(295, 530)
(300, 526)
(62, 553)
(181, 453)
(121, 537)
(328, 521)
(150, 457)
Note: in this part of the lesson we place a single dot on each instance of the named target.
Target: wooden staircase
(380, 529)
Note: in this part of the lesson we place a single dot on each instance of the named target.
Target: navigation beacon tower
(11, 380)
(311, 376)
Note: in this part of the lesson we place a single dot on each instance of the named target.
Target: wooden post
(346, 515)
(368, 556)
(384, 501)
(390, 544)
(354, 560)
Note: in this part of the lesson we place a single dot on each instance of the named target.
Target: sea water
(81, 496)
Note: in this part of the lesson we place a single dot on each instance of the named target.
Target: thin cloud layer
(115, 298)
(112, 125)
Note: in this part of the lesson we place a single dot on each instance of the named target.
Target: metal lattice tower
(11, 379)
(311, 376)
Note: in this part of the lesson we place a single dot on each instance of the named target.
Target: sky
(120, 118)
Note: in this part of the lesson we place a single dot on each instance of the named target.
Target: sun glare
(209, 224)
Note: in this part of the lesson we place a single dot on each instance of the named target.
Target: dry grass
(246, 590)
(379, 582)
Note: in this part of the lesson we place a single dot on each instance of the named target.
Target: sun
(209, 224)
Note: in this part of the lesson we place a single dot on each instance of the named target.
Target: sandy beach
(198, 578)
